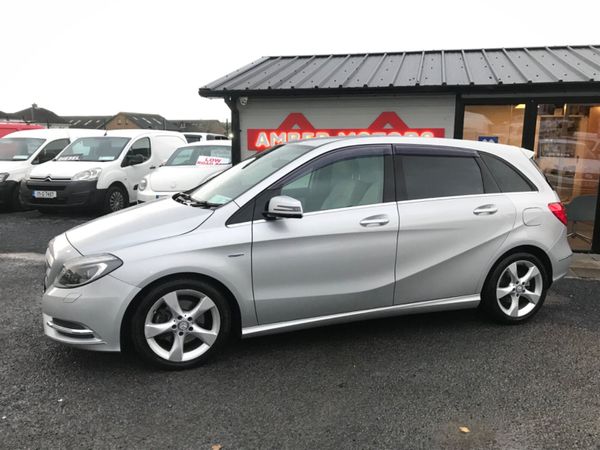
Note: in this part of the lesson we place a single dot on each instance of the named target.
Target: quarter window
(508, 179)
(440, 176)
(343, 183)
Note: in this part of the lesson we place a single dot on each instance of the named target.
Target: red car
(10, 127)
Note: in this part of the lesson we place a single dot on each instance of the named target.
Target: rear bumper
(69, 194)
(6, 190)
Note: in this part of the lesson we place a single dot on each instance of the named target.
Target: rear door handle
(375, 221)
(485, 210)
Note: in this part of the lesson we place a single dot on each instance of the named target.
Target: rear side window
(508, 179)
(440, 176)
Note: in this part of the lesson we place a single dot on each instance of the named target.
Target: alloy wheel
(519, 288)
(182, 325)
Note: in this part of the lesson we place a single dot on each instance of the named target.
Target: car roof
(133, 133)
(222, 142)
(55, 133)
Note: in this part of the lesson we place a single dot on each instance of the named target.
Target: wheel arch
(536, 251)
(125, 338)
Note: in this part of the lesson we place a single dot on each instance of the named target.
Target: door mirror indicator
(282, 207)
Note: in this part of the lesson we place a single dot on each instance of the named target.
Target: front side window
(508, 179)
(141, 147)
(201, 155)
(51, 150)
(440, 176)
(238, 179)
(18, 149)
(101, 148)
(353, 181)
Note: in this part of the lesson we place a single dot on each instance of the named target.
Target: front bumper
(69, 194)
(6, 190)
(88, 317)
(148, 195)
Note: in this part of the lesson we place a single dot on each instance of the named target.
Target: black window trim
(389, 196)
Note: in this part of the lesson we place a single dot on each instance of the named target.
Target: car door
(135, 172)
(339, 257)
(453, 219)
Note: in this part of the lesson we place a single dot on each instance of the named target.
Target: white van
(100, 172)
(22, 150)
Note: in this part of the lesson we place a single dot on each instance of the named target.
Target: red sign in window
(296, 126)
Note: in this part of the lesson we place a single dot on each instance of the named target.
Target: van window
(51, 150)
(141, 147)
(508, 179)
(193, 138)
(18, 149)
(440, 176)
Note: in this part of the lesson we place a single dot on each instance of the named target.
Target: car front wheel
(516, 288)
(181, 324)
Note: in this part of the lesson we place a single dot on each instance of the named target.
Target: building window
(567, 150)
(502, 124)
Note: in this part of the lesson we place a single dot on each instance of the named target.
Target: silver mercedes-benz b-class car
(307, 234)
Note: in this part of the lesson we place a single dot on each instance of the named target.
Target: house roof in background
(92, 122)
(416, 70)
(36, 115)
(142, 120)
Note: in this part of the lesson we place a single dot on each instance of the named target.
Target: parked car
(22, 150)
(100, 172)
(201, 137)
(311, 233)
(188, 167)
(11, 127)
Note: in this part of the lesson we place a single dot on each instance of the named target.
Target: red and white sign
(296, 126)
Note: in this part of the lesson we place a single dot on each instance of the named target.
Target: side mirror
(132, 160)
(282, 207)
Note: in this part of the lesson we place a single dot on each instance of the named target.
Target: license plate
(44, 194)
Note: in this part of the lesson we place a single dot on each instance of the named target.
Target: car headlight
(143, 184)
(84, 270)
(88, 175)
(3, 177)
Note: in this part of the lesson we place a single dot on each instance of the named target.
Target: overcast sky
(152, 56)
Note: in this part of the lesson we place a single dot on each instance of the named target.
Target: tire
(511, 299)
(116, 199)
(180, 339)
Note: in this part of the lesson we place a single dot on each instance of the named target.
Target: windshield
(18, 149)
(201, 155)
(237, 180)
(101, 148)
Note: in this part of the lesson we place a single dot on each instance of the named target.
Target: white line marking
(31, 257)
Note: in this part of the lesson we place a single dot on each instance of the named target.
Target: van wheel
(181, 324)
(115, 200)
(515, 289)
(15, 199)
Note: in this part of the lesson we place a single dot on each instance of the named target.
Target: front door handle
(375, 221)
(485, 210)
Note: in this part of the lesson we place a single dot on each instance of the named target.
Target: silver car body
(421, 255)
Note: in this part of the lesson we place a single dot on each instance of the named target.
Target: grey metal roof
(425, 69)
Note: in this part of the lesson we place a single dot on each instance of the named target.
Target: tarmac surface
(407, 382)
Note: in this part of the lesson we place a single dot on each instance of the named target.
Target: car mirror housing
(284, 207)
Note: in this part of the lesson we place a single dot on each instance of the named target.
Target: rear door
(452, 221)
(340, 256)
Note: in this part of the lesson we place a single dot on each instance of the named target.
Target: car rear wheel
(181, 324)
(516, 288)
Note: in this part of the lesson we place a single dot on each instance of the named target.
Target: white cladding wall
(355, 111)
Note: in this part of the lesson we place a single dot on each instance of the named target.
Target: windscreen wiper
(187, 199)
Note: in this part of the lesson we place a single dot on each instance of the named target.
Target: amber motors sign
(296, 126)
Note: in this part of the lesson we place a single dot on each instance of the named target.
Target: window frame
(254, 209)
(489, 184)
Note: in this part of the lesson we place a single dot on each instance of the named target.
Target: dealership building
(546, 99)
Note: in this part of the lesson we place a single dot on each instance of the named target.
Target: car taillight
(558, 209)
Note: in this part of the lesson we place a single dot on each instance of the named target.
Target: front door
(135, 172)
(340, 256)
(452, 222)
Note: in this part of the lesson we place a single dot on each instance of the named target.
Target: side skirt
(447, 304)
